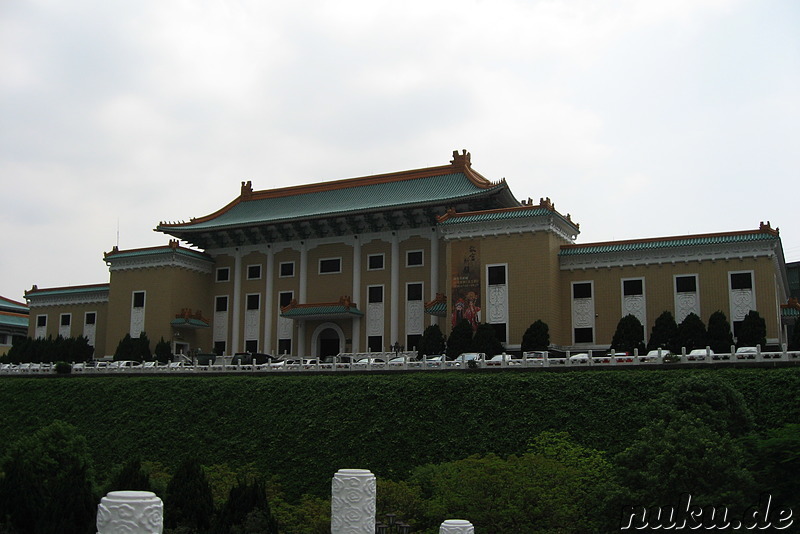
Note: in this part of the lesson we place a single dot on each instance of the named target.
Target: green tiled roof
(498, 215)
(439, 309)
(197, 323)
(321, 310)
(75, 290)
(624, 246)
(10, 305)
(13, 320)
(157, 250)
(340, 201)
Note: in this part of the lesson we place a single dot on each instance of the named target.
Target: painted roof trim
(343, 308)
(765, 232)
(13, 305)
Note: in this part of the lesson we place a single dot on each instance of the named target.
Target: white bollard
(456, 526)
(353, 493)
(135, 512)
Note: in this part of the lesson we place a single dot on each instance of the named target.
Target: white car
(699, 354)
(580, 358)
(746, 353)
(498, 359)
(652, 356)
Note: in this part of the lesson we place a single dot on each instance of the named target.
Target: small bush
(63, 368)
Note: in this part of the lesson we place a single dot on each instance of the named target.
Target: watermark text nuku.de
(685, 515)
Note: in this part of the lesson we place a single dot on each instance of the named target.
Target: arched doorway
(328, 340)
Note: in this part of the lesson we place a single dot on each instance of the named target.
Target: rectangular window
(414, 292)
(223, 274)
(219, 348)
(496, 275)
(284, 346)
(686, 284)
(375, 262)
(285, 298)
(251, 345)
(582, 290)
(414, 258)
(221, 304)
(741, 281)
(66, 319)
(253, 272)
(138, 299)
(330, 266)
(286, 269)
(584, 335)
(375, 343)
(90, 318)
(41, 321)
(374, 294)
(500, 332)
(253, 301)
(412, 341)
(632, 287)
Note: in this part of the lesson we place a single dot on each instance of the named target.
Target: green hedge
(303, 428)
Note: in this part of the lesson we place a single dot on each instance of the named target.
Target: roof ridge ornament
(462, 161)
(247, 190)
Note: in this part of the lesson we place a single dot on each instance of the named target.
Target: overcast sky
(639, 118)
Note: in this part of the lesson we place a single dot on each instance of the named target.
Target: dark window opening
(686, 284)
(582, 290)
(741, 281)
(632, 287)
(374, 294)
(375, 343)
(254, 272)
(223, 274)
(138, 299)
(91, 318)
(284, 346)
(287, 269)
(375, 262)
(66, 319)
(584, 335)
(221, 304)
(414, 258)
(414, 291)
(333, 265)
(497, 275)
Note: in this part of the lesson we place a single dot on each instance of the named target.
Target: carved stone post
(456, 526)
(136, 512)
(353, 502)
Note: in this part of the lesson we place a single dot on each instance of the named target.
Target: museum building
(365, 264)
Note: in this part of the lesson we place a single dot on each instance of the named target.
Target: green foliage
(682, 454)
(245, 500)
(460, 339)
(536, 337)
(63, 368)
(485, 340)
(752, 331)
(629, 335)
(664, 333)
(163, 351)
(525, 493)
(691, 334)
(188, 501)
(432, 342)
(719, 337)
(131, 476)
(135, 349)
(49, 350)
(310, 515)
(47, 482)
(775, 458)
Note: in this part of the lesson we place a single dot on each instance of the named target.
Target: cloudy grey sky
(639, 118)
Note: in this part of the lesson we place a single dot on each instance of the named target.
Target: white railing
(406, 361)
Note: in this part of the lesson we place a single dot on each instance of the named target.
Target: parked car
(699, 354)
(363, 362)
(535, 357)
(746, 353)
(466, 357)
(435, 360)
(498, 359)
(580, 358)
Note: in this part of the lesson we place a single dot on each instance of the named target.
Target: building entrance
(328, 343)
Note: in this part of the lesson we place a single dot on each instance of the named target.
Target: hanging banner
(466, 282)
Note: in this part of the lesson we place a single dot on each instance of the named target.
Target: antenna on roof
(117, 232)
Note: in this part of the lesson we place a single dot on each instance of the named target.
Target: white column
(130, 511)
(237, 301)
(356, 333)
(353, 493)
(434, 269)
(303, 290)
(456, 526)
(269, 308)
(394, 299)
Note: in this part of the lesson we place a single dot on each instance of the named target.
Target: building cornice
(171, 255)
(67, 296)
